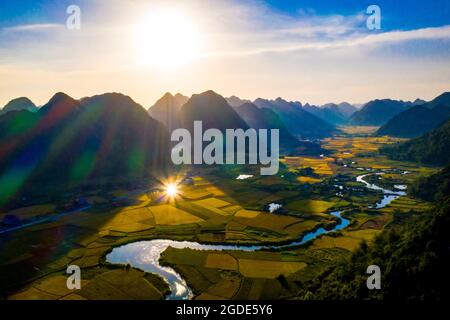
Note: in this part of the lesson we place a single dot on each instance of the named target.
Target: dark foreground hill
(433, 148)
(16, 123)
(418, 120)
(68, 142)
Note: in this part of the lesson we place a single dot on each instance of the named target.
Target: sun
(167, 38)
(171, 190)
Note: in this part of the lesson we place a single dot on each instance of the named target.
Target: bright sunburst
(167, 38)
(171, 190)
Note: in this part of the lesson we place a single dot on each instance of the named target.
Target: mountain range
(236, 101)
(373, 113)
(299, 122)
(264, 118)
(215, 111)
(111, 136)
(336, 114)
(307, 121)
(304, 122)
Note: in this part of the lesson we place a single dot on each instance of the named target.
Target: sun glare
(171, 190)
(167, 38)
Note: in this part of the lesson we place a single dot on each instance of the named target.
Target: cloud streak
(344, 38)
(33, 27)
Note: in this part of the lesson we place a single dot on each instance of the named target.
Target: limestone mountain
(299, 122)
(213, 110)
(329, 113)
(346, 109)
(236, 101)
(167, 108)
(263, 118)
(378, 112)
(19, 104)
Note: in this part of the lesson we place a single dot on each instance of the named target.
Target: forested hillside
(413, 259)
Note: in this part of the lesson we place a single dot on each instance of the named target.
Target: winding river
(388, 195)
(145, 255)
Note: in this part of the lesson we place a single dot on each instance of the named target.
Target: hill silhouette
(167, 108)
(418, 120)
(19, 104)
(377, 112)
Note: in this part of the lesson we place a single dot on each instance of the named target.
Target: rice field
(169, 215)
(250, 214)
(268, 269)
(302, 179)
(310, 206)
(268, 222)
(221, 261)
(212, 203)
(321, 165)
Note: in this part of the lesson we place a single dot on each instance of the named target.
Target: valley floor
(212, 206)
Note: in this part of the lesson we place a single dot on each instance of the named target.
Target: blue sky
(315, 51)
(404, 15)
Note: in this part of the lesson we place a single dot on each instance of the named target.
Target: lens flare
(171, 190)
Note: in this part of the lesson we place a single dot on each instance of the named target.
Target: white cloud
(400, 36)
(326, 37)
